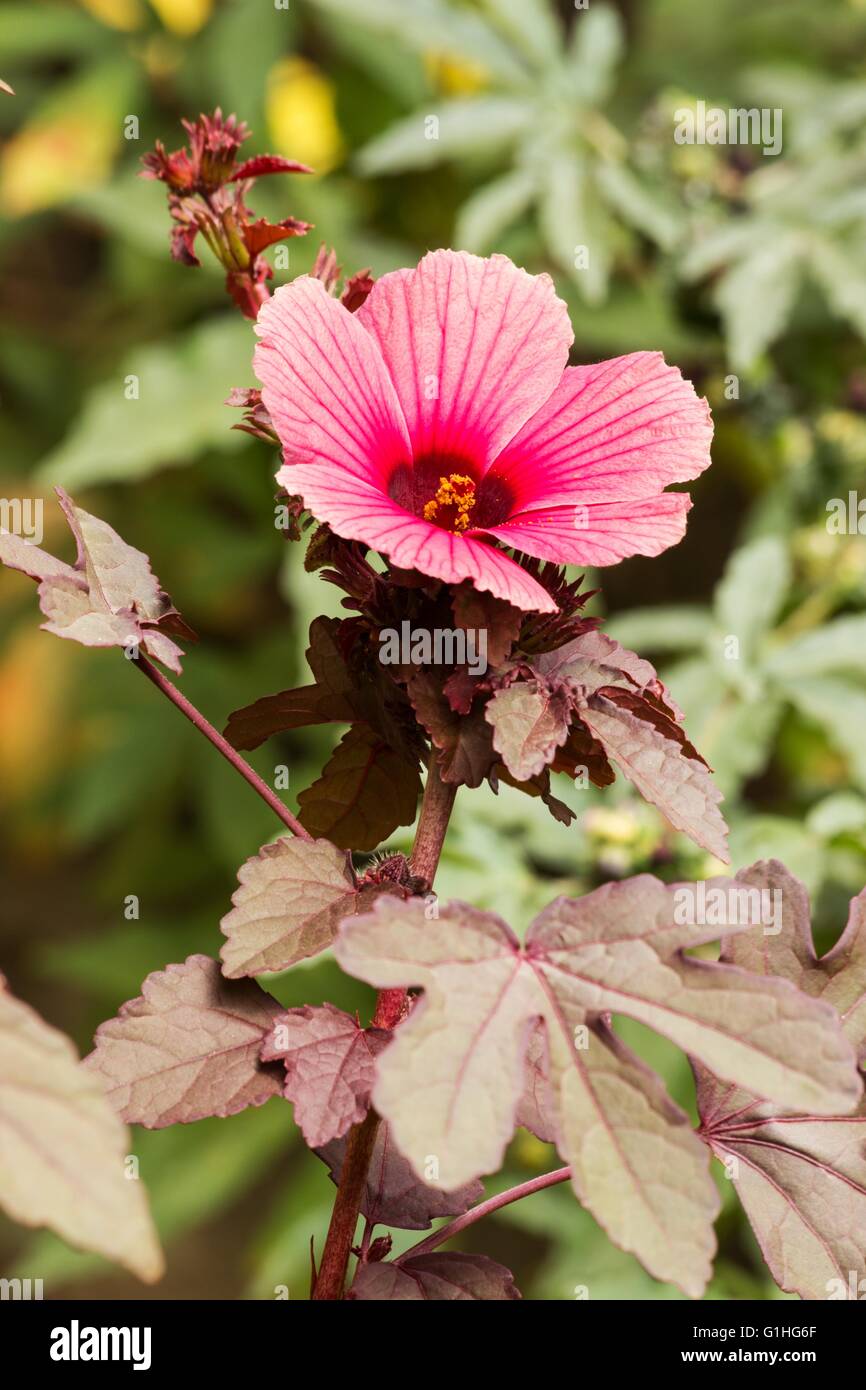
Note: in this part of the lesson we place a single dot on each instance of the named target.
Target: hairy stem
(221, 745)
(504, 1199)
(436, 807)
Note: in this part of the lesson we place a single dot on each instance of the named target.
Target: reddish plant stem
(347, 1204)
(436, 806)
(221, 745)
(504, 1199)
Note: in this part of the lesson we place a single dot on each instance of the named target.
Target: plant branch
(503, 1199)
(436, 806)
(221, 745)
(347, 1204)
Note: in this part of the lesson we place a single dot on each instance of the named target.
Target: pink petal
(474, 348)
(357, 510)
(325, 385)
(598, 533)
(619, 429)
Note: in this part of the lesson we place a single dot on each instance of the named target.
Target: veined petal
(598, 533)
(357, 510)
(326, 386)
(474, 348)
(610, 431)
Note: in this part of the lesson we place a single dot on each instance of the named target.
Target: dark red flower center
(453, 504)
(448, 492)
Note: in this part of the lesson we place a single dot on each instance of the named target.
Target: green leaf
(429, 25)
(238, 47)
(835, 815)
(638, 204)
(178, 414)
(841, 273)
(572, 220)
(130, 210)
(492, 209)
(531, 25)
(29, 31)
(737, 736)
(597, 45)
(711, 248)
(839, 707)
(669, 628)
(752, 591)
(392, 66)
(777, 837)
(840, 646)
(470, 126)
(757, 297)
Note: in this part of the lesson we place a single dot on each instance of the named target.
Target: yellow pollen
(455, 491)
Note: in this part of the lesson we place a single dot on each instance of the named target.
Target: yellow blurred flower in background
(117, 14)
(48, 162)
(183, 16)
(301, 116)
(34, 678)
(70, 142)
(455, 76)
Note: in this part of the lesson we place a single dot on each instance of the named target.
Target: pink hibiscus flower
(441, 418)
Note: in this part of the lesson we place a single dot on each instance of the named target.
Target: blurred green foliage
(556, 129)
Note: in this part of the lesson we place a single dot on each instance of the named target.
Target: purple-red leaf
(108, 598)
(325, 702)
(330, 1068)
(479, 612)
(260, 234)
(656, 757)
(442, 1276)
(62, 1147)
(592, 660)
(292, 896)
(530, 722)
(593, 694)
(261, 164)
(365, 792)
(463, 743)
(394, 1195)
(188, 1048)
(800, 1177)
(636, 1163)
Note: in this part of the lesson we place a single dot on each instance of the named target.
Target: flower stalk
(436, 806)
